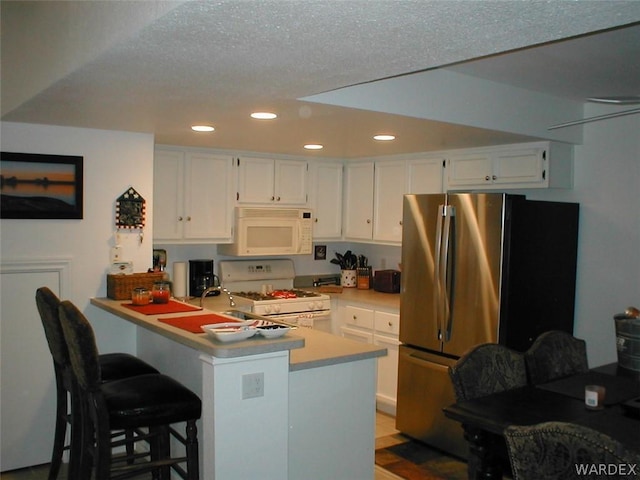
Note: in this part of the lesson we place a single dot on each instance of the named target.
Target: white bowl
(274, 332)
(229, 334)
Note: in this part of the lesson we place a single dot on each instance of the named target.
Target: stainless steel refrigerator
(476, 268)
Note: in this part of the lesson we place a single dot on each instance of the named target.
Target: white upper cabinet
(374, 191)
(325, 199)
(390, 186)
(425, 175)
(531, 165)
(193, 194)
(266, 181)
(358, 201)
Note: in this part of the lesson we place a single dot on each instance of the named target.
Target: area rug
(413, 460)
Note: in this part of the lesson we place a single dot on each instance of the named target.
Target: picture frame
(320, 252)
(41, 186)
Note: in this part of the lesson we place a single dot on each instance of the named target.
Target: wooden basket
(119, 286)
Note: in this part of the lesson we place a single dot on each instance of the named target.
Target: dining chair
(565, 451)
(485, 369)
(113, 366)
(148, 405)
(555, 354)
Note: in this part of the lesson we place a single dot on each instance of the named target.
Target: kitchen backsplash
(380, 256)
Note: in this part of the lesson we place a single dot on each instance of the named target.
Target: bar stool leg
(193, 466)
(60, 428)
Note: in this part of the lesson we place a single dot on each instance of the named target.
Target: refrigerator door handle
(437, 275)
(429, 362)
(447, 269)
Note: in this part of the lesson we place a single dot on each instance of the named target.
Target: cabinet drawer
(388, 323)
(356, 335)
(359, 317)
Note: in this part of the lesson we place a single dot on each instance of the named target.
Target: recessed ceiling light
(202, 128)
(384, 138)
(626, 100)
(263, 115)
(314, 146)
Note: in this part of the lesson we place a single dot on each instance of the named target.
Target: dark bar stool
(113, 366)
(147, 404)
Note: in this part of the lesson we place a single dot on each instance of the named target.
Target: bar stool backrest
(81, 342)
(48, 303)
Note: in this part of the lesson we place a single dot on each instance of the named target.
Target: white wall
(113, 161)
(30, 249)
(607, 186)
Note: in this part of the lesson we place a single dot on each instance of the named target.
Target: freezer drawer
(424, 389)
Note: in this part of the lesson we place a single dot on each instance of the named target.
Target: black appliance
(201, 277)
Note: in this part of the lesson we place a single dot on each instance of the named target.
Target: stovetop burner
(276, 295)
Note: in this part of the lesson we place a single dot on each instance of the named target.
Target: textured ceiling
(215, 61)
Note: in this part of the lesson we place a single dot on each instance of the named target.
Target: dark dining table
(484, 419)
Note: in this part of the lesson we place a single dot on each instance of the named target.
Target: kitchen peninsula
(313, 419)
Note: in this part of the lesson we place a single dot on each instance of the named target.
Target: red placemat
(193, 323)
(160, 308)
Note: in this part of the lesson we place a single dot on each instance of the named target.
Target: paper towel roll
(179, 279)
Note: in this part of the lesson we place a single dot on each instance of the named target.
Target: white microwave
(270, 231)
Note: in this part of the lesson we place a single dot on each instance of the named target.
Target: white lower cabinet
(380, 327)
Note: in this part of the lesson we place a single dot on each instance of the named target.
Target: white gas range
(268, 284)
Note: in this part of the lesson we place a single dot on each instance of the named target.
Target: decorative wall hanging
(130, 211)
(37, 186)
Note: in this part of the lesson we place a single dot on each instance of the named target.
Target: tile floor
(385, 426)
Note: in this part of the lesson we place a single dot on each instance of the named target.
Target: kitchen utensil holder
(348, 278)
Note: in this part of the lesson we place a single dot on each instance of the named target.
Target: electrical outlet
(253, 385)
(116, 254)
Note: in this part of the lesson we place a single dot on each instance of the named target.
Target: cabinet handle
(188, 219)
(400, 222)
(391, 324)
(315, 219)
(179, 219)
(495, 177)
(355, 318)
(273, 198)
(368, 220)
(277, 199)
(487, 178)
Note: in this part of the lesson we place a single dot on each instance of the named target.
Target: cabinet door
(208, 193)
(387, 389)
(255, 180)
(290, 183)
(425, 175)
(471, 169)
(168, 194)
(326, 199)
(359, 201)
(390, 186)
(523, 165)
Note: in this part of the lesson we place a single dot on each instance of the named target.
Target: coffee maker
(201, 277)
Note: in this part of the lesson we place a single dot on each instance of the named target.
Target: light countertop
(308, 348)
(370, 297)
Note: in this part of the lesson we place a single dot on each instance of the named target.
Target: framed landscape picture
(40, 186)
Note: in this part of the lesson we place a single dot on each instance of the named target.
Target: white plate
(273, 332)
(230, 334)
